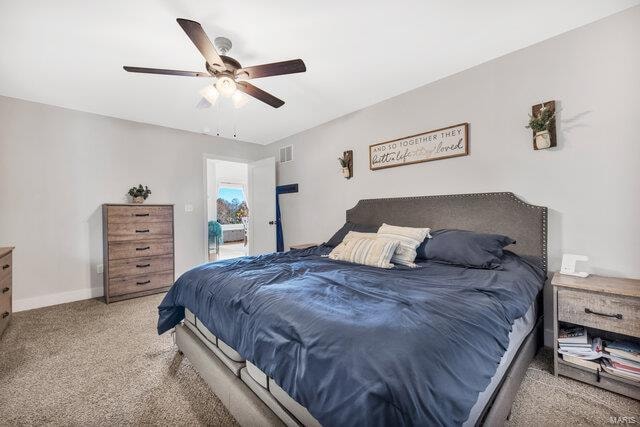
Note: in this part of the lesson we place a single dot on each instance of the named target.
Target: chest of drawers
(6, 287)
(138, 250)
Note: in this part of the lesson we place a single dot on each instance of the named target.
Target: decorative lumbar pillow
(339, 236)
(366, 251)
(409, 237)
(355, 235)
(463, 247)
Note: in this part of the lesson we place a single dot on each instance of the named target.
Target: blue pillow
(337, 238)
(467, 248)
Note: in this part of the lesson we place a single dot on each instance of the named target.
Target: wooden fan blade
(199, 38)
(167, 72)
(273, 69)
(260, 94)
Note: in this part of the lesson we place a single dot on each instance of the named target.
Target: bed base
(245, 405)
(498, 409)
(251, 405)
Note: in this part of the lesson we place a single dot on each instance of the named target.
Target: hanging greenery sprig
(541, 121)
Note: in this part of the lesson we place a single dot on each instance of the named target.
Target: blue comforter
(360, 345)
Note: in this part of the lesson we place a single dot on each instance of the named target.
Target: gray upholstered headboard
(501, 213)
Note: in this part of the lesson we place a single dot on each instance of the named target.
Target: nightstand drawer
(620, 314)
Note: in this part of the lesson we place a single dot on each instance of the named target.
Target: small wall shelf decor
(437, 144)
(542, 121)
(346, 161)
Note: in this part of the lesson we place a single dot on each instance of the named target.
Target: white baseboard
(55, 299)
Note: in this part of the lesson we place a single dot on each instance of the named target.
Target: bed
(299, 339)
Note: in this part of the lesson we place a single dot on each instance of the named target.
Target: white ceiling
(70, 53)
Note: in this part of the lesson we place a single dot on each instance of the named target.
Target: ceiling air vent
(286, 154)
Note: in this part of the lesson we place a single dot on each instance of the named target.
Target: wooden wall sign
(437, 144)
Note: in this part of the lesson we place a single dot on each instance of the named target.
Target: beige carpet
(87, 363)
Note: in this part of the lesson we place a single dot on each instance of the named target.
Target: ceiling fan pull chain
(218, 119)
(235, 123)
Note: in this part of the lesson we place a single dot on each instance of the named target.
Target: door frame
(206, 157)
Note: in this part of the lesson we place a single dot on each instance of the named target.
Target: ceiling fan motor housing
(231, 64)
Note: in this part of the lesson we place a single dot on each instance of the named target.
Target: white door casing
(262, 206)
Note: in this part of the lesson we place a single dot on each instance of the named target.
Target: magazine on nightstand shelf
(621, 359)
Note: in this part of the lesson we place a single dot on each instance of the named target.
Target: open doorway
(227, 209)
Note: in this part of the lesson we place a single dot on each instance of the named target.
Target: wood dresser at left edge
(138, 248)
(6, 287)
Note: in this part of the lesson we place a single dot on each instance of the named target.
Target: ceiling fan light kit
(231, 78)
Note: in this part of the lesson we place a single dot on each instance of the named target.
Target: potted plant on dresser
(139, 194)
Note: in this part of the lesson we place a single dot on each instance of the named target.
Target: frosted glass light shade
(210, 94)
(239, 99)
(226, 86)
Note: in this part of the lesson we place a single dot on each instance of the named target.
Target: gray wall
(58, 166)
(590, 182)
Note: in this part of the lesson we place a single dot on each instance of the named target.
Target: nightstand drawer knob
(5, 314)
(5, 290)
(589, 311)
(4, 267)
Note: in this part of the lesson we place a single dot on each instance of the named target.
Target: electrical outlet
(188, 207)
(99, 268)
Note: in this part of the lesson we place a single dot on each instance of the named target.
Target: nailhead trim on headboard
(542, 209)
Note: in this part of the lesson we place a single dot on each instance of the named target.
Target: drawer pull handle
(142, 231)
(589, 311)
(143, 265)
(4, 267)
(144, 214)
(5, 314)
(143, 283)
(5, 290)
(146, 248)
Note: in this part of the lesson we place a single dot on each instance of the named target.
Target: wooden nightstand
(303, 246)
(608, 308)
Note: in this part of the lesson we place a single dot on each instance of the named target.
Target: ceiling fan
(229, 74)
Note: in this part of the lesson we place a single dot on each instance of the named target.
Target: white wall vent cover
(286, 154)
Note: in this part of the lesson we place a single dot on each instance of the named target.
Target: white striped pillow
(409, 237)
(366, 251)
(355, 235)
